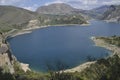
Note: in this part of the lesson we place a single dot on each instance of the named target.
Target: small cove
(68, 44)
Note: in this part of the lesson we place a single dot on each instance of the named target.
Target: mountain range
(14, 17)
(53, 14)
(105, 12)
(112, 14)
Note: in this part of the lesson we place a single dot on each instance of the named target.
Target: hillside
(17, 18)
(58, 8)
(112, 14)
(61, 19)
(96, 12)
(13, 16)
(60, 13)
(101, 10)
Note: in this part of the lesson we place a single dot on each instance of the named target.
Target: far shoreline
(30, 29)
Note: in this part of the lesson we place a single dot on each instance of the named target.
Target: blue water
(68, 44)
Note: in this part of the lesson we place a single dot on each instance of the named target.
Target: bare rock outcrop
(8, 61)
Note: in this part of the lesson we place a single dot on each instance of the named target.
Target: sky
(80, 4)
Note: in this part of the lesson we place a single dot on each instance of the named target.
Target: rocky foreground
(8, 60)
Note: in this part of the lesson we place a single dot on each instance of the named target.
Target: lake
(70, 45)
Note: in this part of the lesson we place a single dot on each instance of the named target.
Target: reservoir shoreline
(30, 29)
(100, 43)
(80, 67)
(14, 33)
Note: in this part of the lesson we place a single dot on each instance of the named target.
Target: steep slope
(58, 8)
(60, 13)
(112, 14)
(96, 12)
(8, 62)
(13, 16)
(101, 10)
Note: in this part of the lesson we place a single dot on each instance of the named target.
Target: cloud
(84, 4)
(20, 3)
(88, 2)
(31, 8)
(82, 1)
(9, 2)
(57, 1)
(111, 2)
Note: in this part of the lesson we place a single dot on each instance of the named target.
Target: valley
(57, 32)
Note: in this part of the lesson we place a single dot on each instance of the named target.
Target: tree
(6, 76)
(60, 75)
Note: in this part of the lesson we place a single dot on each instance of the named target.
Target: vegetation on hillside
(6, 76)
(114, 40)
(61, 19)
(103, 69)
(14, 18)
(57, 9)
(18, 18)
(46, 20)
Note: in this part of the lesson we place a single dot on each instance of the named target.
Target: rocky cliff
(112, 14)
(7, 60)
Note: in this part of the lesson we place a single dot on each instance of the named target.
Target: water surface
(68, 44)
